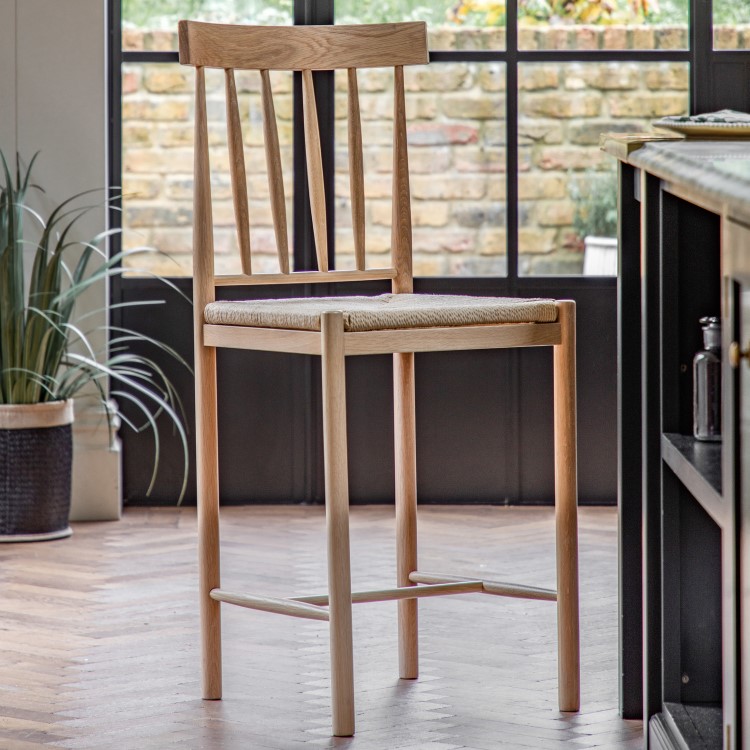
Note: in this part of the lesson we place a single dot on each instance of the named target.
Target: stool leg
(207, 457)
(207, 469)
(337, 522)
(404, 423)
(566, 511)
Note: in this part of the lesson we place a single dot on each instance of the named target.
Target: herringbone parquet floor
(99, 648)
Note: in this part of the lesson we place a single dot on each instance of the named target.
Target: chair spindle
(275, 174)
(356, 171)
(207, 476)
(237, 170)
(315, 170)
(401, 219)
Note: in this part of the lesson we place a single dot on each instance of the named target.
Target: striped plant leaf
(45, 352)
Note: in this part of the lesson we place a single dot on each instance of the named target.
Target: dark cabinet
(684, 503)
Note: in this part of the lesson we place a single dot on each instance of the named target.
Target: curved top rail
(302, 47)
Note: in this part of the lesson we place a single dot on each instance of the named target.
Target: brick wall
(457, 148)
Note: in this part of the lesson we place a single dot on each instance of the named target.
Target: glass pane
(601, 24)
(152, 24)
(731, 24)
(157, 157)
(456, 131)
(565, 183)
(451, 25)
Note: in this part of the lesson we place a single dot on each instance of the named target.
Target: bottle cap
(711, 332)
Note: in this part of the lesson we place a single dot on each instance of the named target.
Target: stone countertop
(716, 172)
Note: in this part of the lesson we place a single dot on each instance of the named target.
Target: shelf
(698, 466)
(695, 725)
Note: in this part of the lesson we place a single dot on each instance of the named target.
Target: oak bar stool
(400, 323)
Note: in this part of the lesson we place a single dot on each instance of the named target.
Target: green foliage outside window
(492, 12)
(154, 13)
(595, 197)
(731, 11)
(163, 13)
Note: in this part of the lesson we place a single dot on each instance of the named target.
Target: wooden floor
(99, 646)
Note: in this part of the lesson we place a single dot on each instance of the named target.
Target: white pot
(97, 481)
(600, 256)
(35, 471)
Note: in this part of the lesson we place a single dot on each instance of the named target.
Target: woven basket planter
(36, 452)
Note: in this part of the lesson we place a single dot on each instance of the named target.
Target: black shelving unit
(687, 266)
(698, 466)
(688, 564)
(684, 236)
(697, 725)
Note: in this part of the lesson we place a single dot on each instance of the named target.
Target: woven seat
(401, 324)
(387, 311)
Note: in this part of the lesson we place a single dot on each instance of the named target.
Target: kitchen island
(684, 253)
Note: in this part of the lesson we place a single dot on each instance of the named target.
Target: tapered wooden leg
(566, 511)
(207, 469)
(207, 457)
(404, 423)
(337, 522)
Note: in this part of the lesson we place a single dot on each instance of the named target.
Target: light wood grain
(275, 172)
(203, 233)
(262, 339)
(35, 416)
(337, 522)
(518, 591)
(207, 459)
(303, 47)
(452, 339)
(566, 509)
(356, 170)
(405, 445)
(497, 588)
(388, 341)
(399, 594)
(237, 171)
(401, 207)
(315, 170)
(306, 277)
(287, 607)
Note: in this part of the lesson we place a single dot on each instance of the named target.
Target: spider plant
(46, 353)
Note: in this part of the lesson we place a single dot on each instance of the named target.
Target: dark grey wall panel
(597, 403)
(369, 395)
(463, 443)
(484, 419)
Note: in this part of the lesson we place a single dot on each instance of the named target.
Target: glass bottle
(707, 383)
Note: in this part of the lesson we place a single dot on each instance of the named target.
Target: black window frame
(700, 56)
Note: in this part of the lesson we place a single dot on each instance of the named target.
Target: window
(567, 192)
(731, 21)
(157, 152)
(456, 130)
(507, 178)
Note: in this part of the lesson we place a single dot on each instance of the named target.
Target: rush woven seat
(334, 328)
(386, 311)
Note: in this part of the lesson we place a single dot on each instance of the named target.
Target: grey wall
(53, 99)
(8, 75)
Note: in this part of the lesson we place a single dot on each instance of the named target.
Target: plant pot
(36, 452)
(600, 256)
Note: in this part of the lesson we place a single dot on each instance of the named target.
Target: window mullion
(701, 34)
(307, 13)
(114, 148)
(511, 142)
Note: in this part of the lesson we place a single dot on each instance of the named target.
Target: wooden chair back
(304, 49)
